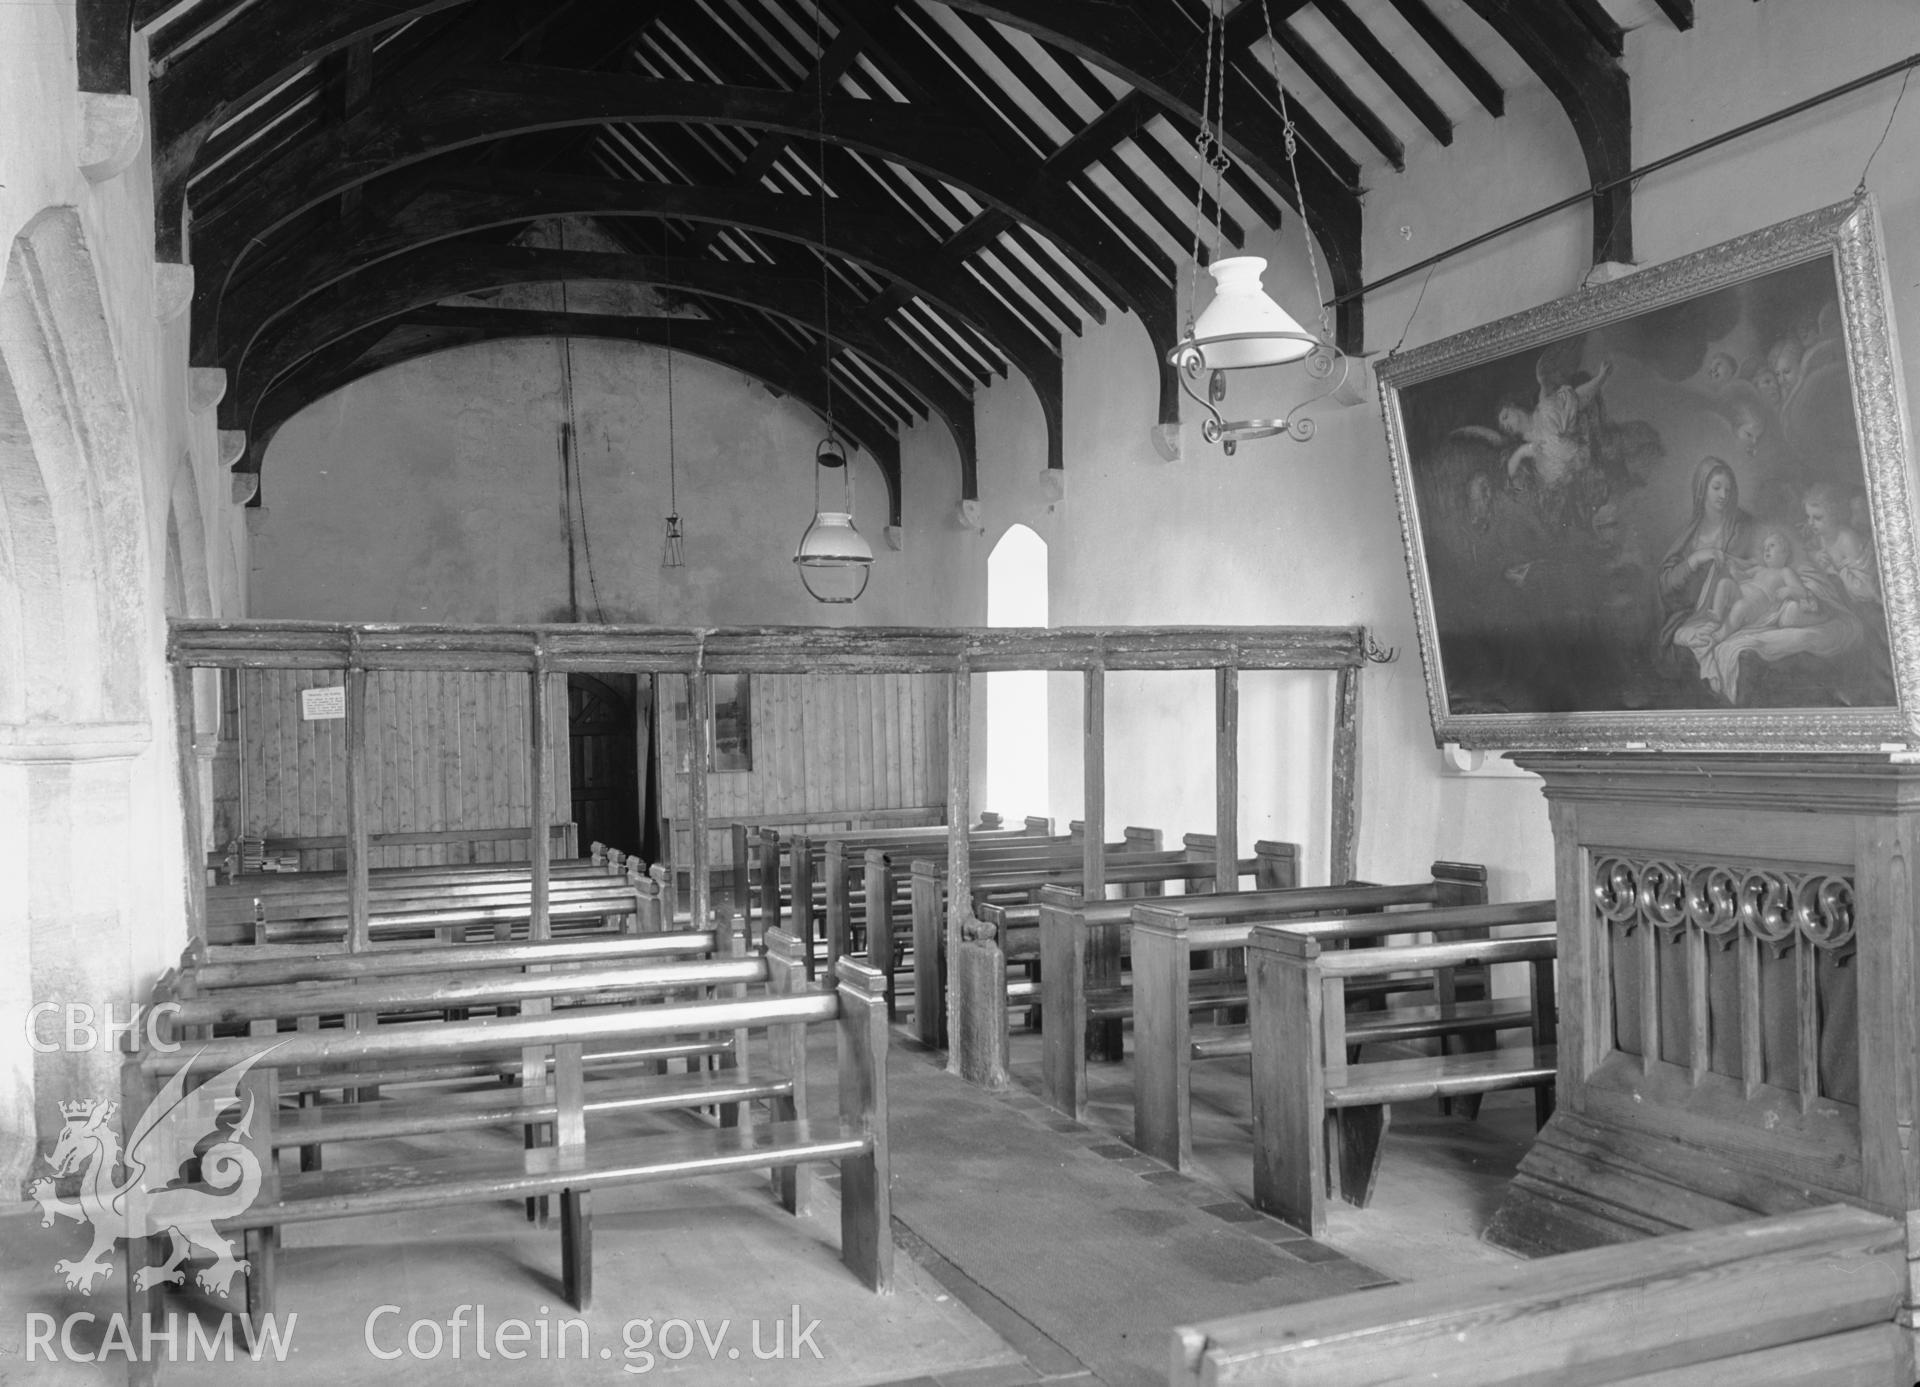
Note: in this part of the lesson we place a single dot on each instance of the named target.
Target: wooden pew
(1072, 933)
(580, 1160)
(281, 895)
(1167, 989)
(765, 865)
(631, 903)
(1015, 928)
(210, 981)
(877, 873)
(214, 967)
(1806, 1299)
(761, 886)
(1319, 1118)
(327, 906)
(372, 1107)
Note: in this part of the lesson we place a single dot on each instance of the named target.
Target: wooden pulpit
(1739, 1022)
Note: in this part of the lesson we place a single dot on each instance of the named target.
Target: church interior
(959, 691)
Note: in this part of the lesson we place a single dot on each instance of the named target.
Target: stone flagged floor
(1030, 1249)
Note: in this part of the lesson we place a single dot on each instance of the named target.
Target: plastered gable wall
(433, 492)
(1290, 533)
(98, 389)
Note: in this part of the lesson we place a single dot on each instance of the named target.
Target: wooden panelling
(445, 751)
(825, 748)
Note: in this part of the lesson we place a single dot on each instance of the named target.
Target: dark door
(605, 760)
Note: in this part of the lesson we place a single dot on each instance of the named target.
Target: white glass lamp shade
(834, 559)
(1240, 306)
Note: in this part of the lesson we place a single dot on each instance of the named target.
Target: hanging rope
(574, 479)
(820, 176)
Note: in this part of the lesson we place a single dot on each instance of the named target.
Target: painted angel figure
(1558, 431)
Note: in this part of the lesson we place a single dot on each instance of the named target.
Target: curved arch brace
(891, 246)
(1592, 87)
(263, 46)
(724, 346)
(425, 276)
(485, 104)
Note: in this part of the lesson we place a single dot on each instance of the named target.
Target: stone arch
(75, 653)
(75, 518)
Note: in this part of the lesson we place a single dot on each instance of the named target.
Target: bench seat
(1319, 1119)
(499, 1105)
(600, 1060)
(1383, 1027)
(515, 1173)
(1439, 1076)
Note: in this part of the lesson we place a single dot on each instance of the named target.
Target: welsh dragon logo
(150, 1200)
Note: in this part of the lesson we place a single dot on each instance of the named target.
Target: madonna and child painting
(1663, 511)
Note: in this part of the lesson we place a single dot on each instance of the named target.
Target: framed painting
(1671, 511)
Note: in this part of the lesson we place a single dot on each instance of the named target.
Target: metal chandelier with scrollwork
(1242, 327)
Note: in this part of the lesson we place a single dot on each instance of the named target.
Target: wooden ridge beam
(744, 351)
(421, 278)
(1591, 87)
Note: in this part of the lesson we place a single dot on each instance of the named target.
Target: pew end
(1807, 1298)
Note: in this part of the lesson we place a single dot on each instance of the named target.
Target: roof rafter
(491, 102)
(1171, 69)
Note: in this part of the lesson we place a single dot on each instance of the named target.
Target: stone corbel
(896, 538)
(1606, 271)
(1053, 483)
(111, 133)
(968, 514)
(1357, 388)
(246, 486)
(233, 446)
(1166, 441)
(172, 290)
(206, 387)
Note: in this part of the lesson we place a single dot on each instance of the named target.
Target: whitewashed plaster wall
(1283, 533)
(101, 447)
(1290, 533)
(433, 492)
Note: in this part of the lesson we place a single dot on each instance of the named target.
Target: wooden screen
(446, 767)
(828, 750)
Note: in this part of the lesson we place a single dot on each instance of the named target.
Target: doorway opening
(606, 736)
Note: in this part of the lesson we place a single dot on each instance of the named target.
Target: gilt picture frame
(1671, 511)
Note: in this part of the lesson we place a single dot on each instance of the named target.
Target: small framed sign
(321, 704)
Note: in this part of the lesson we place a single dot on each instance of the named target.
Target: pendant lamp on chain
(1242, 327)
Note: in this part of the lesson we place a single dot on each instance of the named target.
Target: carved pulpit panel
(1736, 994)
